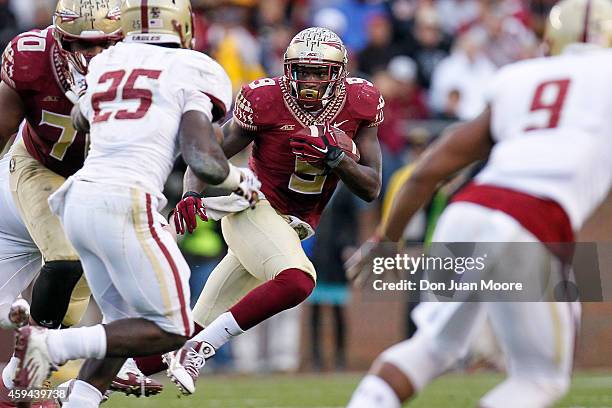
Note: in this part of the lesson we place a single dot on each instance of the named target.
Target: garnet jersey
(551, 121)
(136, 96)
(266, 107)
(32, 66)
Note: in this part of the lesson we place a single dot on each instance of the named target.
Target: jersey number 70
(128, 92)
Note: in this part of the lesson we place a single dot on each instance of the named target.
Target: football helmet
(95, 21)
(158, 22)
(579, 21)
(315, 47)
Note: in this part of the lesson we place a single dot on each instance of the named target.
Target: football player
(42, 75)
(546, 137)
(148, 99)
(294, 121)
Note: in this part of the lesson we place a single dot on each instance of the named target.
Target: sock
(83, 395)
(290, 288)
(9, 372)
(72, 344)
(373, 391)
(219, 331)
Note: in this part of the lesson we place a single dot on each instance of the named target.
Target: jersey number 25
(128, 92)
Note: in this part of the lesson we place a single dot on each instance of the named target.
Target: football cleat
(19, 313)
(184, 364)
(68, 387)
(35, 364)
(131, 381)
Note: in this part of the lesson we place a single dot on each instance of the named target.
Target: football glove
(317, 144)
(249, 186)
(186, 211)
(77, 84)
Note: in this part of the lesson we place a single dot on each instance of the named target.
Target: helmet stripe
(587, 16)
(144, 16)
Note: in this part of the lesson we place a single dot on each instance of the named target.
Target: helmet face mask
(313, 83)
(314, 63)
(91, 24)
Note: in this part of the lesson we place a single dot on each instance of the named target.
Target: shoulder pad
(364, 101)
(257, 104)
(26, 60)
(207, 76)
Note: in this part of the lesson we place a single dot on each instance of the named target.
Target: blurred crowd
(431, 60)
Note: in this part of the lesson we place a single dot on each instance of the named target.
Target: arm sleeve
(379, 116)
(198, 101)
(257, 105)
(21, 69)
(205, 85)
(367, 104)
(244, 116)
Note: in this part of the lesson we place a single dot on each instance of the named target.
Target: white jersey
(552, 127)
(136, 96)
(13, 232)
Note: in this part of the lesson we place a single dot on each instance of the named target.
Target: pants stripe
(140, 233)
(175, 272)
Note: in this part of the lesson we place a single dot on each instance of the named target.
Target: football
(345, 143)
(335, 136)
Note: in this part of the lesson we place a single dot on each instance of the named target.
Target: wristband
(192, 194)
(334, 157)
(232, 181)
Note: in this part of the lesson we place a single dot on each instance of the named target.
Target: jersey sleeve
(24, 62)
(205, 85)
(494, 85)
(256, 105)
(366, 102)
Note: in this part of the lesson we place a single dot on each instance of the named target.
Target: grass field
(592, 390)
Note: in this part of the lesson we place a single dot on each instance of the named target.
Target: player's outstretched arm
(11, 113)
(364, 178)
(459, 146)
(207, 165)
(234, 140)
(200, 148)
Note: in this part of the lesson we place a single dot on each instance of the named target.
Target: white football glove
(78, 85)
(249, 186)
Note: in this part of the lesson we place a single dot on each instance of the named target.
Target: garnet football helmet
(315, 47)
(158, 22)
(579, 21)
(95, 21)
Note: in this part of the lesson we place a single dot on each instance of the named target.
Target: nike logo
(338, 124)
(319, 149)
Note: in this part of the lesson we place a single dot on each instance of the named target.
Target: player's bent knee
(52, 290)
(79, 300)
(298, 285)
(417, 360)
